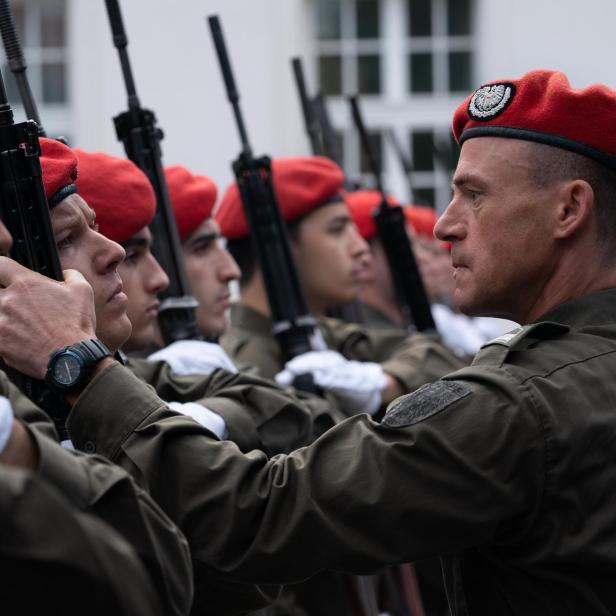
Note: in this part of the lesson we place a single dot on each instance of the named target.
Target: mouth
(152, 310)
(224, 300)
(118, 294)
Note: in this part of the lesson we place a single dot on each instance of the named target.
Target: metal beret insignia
(424, 402)
(489, 101)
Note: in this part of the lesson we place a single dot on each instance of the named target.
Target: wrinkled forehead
(72, 211)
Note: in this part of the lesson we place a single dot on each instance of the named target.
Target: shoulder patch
(543, 330)
(425, 402)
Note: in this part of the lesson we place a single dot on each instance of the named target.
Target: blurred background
(412, 62)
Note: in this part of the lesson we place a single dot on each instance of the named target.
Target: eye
(66, 242)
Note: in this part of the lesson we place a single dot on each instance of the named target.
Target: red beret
(543, 107)
(59, 166)
(193, 198)
(421, 218)
(362, 204)
(301, 185)
(118, 191)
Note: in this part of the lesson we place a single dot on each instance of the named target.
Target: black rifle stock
(17, 63)
(293, 324)
(311, 121)
(23, 204)
(137, 130)
(391, 227)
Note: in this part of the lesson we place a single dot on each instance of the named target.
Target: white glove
(356, 385)
(194, 357)
(202, 415)
(6, 422)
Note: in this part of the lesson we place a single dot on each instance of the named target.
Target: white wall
(177, 75)
(575, 36)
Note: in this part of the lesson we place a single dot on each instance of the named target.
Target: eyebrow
(466, 178)
(342, 218)
(136, 241)
(204, 237)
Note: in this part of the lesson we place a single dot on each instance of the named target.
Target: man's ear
(575, 208)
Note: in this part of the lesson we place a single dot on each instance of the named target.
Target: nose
(156, 278)
(229, 269)
(450, 227)
(6, 240)
(109, 255)
(358, 246)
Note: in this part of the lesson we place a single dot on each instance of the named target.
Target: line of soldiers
(193, 478)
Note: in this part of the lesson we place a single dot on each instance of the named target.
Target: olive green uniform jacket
(413, 359)
(505, 468)
(88, 519)
(258, 413)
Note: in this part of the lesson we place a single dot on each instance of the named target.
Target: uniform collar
(245, 317)
(587, 310)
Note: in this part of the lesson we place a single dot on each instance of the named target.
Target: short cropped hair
(552, 164)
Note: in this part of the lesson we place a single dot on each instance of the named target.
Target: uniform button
(89, 447)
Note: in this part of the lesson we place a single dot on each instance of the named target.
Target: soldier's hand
(194, 357)
(358, 386)
(39, 315)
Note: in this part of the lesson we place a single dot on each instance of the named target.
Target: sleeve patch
(425, 402)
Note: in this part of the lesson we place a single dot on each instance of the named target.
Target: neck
(577, 273)
(371, 296)
(253, 295)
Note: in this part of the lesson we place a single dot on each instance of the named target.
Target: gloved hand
(356, 385)
(202, 415)
(6, 422)
(194, 357)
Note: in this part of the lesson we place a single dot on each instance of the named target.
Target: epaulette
(495, 352)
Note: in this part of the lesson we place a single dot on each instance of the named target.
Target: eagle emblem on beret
(489, 101)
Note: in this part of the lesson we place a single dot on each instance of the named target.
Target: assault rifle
(136, 128)
(328, 136)
(17, 63)
(311, 122)
(293, 324)
(23, 204)
(391, 227)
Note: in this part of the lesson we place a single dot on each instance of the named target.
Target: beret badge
(489, 101)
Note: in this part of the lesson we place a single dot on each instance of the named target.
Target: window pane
(19, 17)
(367, 19)
(52, 24)
(459, 17)
(369, 72)
(422, 146)
(420, 17)
(446, 151)
(54, 83)
(375, 141)
(424, 196)
(330, 73)
(459, 71)
(421, 72)
(328, 19)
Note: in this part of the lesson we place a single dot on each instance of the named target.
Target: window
(41, 28)
(349, 46)
(439, 46)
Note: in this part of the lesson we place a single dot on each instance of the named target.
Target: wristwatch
(69, 367)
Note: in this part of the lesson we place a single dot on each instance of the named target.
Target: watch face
(66, 369)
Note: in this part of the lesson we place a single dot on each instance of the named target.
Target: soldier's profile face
(498, 223)
(330, 255)
(82, 248)
(210, 268)
(143, 279)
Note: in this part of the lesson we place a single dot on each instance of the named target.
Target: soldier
(379, 305)
(504, 468)
(195, 377)
(75, 529)
(329, 255)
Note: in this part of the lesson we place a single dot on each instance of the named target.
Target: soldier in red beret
(504, 468)
(362, 368)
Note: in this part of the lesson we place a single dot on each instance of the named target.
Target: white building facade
(412, 62)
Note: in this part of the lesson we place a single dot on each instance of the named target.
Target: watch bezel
(53, 361)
